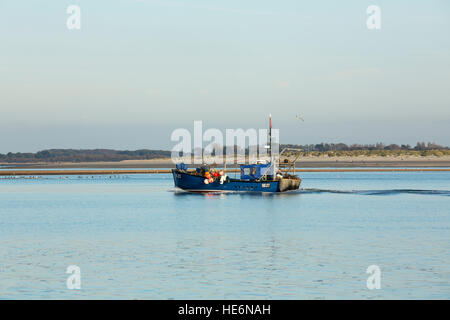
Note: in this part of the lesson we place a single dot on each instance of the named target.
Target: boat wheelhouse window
(181, 166)
(254, 171)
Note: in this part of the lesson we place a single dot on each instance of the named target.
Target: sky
(139, 69)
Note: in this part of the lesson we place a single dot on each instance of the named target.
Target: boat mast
(272, 163)
(270, 136)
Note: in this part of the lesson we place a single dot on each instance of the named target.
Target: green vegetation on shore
(317, 150)
(71, 155)
(370, 150)
(377, 153)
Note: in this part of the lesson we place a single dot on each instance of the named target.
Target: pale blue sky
(139, 69)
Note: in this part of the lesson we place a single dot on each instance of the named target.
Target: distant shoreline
(305, 162)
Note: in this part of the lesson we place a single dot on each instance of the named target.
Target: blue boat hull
(195, 183)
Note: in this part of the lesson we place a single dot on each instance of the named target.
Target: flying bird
(299, 118)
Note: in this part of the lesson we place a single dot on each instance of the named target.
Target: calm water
(135, 237)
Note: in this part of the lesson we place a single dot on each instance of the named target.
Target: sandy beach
(306, 162)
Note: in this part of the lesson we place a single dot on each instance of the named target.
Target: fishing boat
(263, 176)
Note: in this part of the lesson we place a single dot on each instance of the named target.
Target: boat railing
(290, 164)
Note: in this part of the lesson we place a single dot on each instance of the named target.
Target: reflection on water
(137, 237)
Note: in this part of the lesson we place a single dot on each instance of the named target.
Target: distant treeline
(330, 149)
(371, 150)
(71, 155)
(323, 147)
